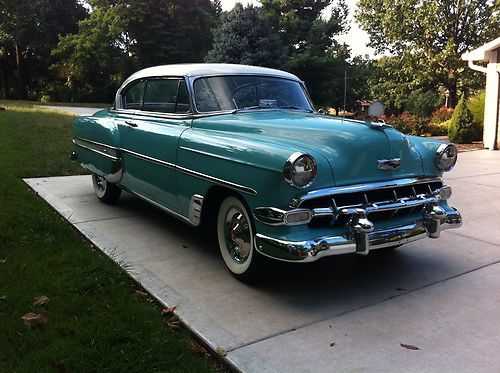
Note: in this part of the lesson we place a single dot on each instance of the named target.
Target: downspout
(481, 69)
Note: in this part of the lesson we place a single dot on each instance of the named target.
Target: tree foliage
(29, 30)
(463, 129)
(245, 37)
(310, 46)
(172, 31)
(93, 62)
(123, 36)
(431, 35)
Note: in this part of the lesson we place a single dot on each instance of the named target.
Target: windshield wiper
(295, 107)
(237, 110)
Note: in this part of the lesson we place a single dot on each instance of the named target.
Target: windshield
(222, 93)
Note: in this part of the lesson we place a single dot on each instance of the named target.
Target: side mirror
(321, 111)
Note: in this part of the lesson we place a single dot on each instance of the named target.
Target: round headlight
(300, 170)
(446, 156)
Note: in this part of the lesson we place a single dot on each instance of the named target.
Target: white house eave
(482, 53)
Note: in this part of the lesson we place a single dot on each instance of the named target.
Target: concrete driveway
(345, 313)
(79, 111)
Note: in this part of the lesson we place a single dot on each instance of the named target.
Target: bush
(476, 107)
(408, 123)
(441, 115)
(421, 103)
(439, 129)
(463, 129)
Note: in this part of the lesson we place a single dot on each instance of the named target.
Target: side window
(133, 95)
(182, 98)
(166, 96)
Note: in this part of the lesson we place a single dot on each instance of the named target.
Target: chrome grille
(381, 204)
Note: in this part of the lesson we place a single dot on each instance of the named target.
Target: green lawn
(38, 103)
(95, 321)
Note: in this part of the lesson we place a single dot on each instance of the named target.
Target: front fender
(245, 160)
(427, 147)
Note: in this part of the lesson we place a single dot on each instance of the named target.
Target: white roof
(204, 69)
(482, 53)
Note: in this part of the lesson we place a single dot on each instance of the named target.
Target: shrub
(421, 103)
(476, 107)
(439, 129)
(463, 129)
(441, 115)
(408, 123)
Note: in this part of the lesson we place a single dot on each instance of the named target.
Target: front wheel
(104, 190)
(236, 239)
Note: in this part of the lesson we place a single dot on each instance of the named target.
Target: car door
(156, 112)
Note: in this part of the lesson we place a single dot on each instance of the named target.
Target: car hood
(352, 148)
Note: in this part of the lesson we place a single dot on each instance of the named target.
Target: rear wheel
(104, 190)
(236, 239)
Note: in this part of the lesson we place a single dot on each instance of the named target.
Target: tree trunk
(5, 82)
(21, 81)
(452, 99)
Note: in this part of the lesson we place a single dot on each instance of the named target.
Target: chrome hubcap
(237, 235)
(100, 183)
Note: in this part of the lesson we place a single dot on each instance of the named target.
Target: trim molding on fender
(106, 151)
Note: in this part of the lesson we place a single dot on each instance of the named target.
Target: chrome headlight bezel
(446, 157)
(291, 173)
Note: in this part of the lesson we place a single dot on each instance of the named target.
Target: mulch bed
(475, 145)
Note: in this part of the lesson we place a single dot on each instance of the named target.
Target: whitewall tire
(236, 238)
(104, 190)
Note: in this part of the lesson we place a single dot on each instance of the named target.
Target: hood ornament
(389, 164)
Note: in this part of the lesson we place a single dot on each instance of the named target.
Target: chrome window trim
(155, 114)
(229, 184)
(119, 98)
(296, 202)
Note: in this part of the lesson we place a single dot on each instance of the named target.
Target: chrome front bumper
(360, 239)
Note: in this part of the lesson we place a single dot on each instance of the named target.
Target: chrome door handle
(130, 123)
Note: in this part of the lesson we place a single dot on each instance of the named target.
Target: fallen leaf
(173, 323)
(185, 246)
(34, 320)
(221, 351)
(42, 300)
(401, 289)
(168, 311)
(62, 367)
(409, 347)
(3, 260)
(200, 350)
(141, 294)
(332, 344)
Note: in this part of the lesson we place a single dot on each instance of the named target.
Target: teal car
(241, 150)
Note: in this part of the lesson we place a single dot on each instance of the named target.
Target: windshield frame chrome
(196, 112)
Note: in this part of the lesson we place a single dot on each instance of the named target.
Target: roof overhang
(482, 53)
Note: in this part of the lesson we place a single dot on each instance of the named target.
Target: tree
(301, 25)
(94, 61)
(29, 30)
(431, 35)
(172, 31)
(245, 37)
(463, 129)
(311, 50)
